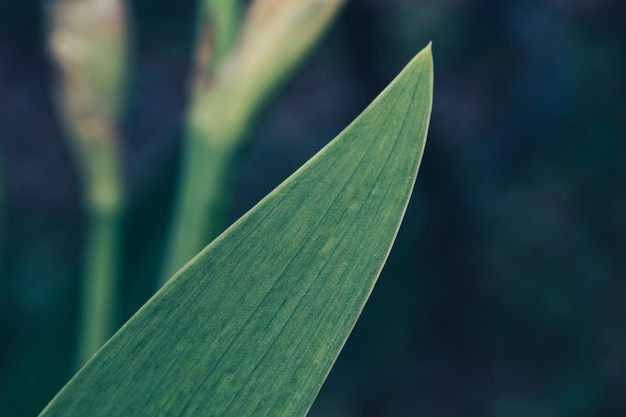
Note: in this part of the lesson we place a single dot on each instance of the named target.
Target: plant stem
(210, 163)
(89, 43)
(226, 97)
(102, 178)
(202, 203)
(97, 312)
(218, 25)
(208, 166)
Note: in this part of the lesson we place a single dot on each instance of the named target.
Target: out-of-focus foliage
(228, 92)
(88, 44)
(505, 292)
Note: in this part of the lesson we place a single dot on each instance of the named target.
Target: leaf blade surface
(252, 325)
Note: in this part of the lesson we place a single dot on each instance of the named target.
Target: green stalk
(89, 44)
(202, 201)
(275, 37)
(98, 318)
(218, 24)
(104, 207)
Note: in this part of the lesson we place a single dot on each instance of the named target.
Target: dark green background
(505, 294)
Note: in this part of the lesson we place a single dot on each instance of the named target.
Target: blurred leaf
(253, 324)
(276, 34)
(227, 94)
(218, 24)
(88, 43)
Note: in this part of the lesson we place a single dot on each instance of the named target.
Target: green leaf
(252, 325)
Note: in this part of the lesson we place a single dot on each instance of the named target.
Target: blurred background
(505, 294)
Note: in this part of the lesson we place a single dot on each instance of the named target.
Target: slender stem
(102, 177)
(97, 319)
(89, 42)
(226, 97)
(218, 26)
(202, 203)
(208, 165)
